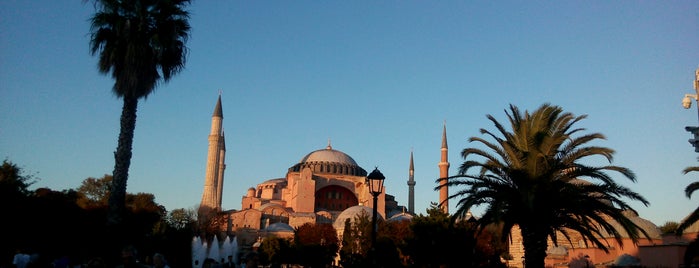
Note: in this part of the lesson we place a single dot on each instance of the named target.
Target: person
(159, 261)
(230, 262)
(129, 258)
(20, 259)
(96, 262)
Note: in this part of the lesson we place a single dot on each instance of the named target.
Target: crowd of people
(129, 259)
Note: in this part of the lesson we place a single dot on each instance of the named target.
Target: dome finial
(330, 147)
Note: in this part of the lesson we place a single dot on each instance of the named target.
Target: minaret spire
(444, 171)
(411, 185)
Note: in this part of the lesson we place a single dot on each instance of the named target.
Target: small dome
(401, 217)
(251, 192)
(279, 227)
(351, 213)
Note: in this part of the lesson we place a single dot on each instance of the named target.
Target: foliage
(140, 43)
(316, 244)
(13, 182)
(535, 176)
(94, 192)
(356, 241)
(689, 190)
(669, 227)
(433, 238)
(275, 251)
(181, 218)
(399, 233)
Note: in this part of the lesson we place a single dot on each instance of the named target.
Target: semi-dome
(331, 161)
(352, 213)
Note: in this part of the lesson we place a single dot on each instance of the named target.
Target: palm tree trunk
(122, 161)
(535, 245)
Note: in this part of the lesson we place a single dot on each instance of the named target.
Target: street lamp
(687, 103)
(375, 180)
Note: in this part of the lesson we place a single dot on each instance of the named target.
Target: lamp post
(375, 180)
(687, 103)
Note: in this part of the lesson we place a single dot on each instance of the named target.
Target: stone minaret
(444, 172)
(411, 186)
(215, 165)
(221, 168)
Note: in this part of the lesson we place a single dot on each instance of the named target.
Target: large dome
(328, 155)
(331, 161)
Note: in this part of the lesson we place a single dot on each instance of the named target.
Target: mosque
(328, 186)
(325, 186)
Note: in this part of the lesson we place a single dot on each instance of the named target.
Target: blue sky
(377, 78)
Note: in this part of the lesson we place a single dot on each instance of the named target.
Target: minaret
(221, 168)
(444, 172)
(411, 186)
(213, 182)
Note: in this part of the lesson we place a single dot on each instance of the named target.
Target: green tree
(534, 176)
(140, 42)
(688, 191)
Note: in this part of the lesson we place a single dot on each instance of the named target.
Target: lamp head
(375, 180)
(686, 102)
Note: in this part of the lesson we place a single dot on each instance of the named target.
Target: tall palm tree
(140, 43)
(533, 176)
(689, 190)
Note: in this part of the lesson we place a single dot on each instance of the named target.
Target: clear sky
(377, 78)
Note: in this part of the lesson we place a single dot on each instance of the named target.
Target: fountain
(216, 251)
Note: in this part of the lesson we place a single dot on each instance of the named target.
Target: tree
(94, 192)
(669, 227)
(688, 191)
(356, 239)
(15, 205)
(140, 42)
(181, 218)
(316, 244)
(13, 181)
(275, 251)
(534, 176)
(433, 238)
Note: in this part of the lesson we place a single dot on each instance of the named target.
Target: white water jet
(214, 250)
(234, 249)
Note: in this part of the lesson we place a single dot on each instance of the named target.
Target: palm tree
(532, 176)
(140, 43)
(694, 216)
